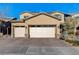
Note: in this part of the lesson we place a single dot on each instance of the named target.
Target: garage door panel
(42, 32)
(19, 32)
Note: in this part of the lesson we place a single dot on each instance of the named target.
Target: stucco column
(58, 32)
(12, 35)
(26, 30)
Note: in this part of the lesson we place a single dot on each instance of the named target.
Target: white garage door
(42, 32)
(19, 32)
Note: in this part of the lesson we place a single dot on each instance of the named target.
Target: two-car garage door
(42, 32)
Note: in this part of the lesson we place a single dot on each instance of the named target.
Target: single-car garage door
(42, 32)
(19, 32)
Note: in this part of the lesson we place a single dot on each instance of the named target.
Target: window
(25, 17)
(58, 16)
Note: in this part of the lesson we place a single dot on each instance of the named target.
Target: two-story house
(38, 25)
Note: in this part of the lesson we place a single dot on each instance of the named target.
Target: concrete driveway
(23, 46)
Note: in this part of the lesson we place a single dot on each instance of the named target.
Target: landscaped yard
(73, 42)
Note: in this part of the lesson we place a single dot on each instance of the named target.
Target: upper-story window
(58, 16)
(25, 17)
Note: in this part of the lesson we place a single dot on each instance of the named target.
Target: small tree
(69, 26)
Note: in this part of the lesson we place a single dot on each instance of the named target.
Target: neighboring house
(1, 27)
(38, 25)
(5, 26)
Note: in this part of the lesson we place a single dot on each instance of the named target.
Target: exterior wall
(43, 20)
(62, 16)
(18, 24)
(25, 14)
(58, 31)
(38, 20)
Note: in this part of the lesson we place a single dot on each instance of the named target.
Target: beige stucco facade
(43, 20)
(40, 19)
(59, 13)
(23, 15)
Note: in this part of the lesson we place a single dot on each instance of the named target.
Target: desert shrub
(73, 42)
(70, 41)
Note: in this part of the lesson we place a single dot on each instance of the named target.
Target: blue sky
(15, 9)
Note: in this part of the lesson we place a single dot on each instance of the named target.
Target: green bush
(76, 42)
(73, 42)
(70, 41)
